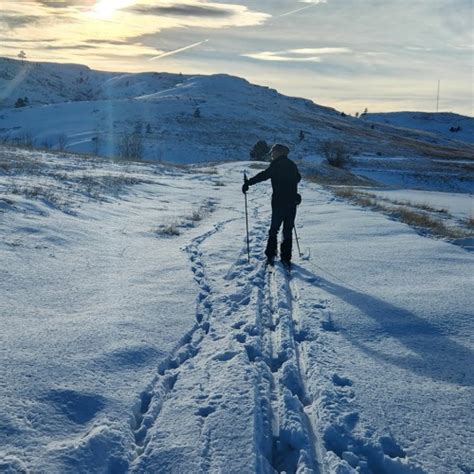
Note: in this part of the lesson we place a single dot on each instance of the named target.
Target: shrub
(21, 102)
(336, 153)
(259, 150)
(130, 146)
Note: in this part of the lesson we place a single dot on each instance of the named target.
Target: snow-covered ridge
(183, 118)
(444, 124)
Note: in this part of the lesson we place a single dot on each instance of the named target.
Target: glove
(245, 187)
(298, 199)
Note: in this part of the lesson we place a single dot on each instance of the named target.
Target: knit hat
(279, 150)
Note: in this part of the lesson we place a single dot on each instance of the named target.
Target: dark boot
(271, 249)
(285, 249)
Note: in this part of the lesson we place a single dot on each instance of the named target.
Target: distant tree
(197, 113)
(301, 136)
(343, 114)
(259, 150)
(22, 55)
(357, 115)
(365, 111)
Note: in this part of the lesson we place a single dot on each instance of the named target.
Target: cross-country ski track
(333, 368)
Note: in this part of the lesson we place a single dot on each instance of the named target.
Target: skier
(285, 178)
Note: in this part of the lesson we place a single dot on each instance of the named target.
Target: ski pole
(297, 242)
(247, 220)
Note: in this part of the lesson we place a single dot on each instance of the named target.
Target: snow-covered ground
(126, 349)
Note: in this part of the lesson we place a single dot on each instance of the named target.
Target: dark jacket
(285, 178)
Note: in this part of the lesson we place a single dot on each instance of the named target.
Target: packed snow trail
(233, 382)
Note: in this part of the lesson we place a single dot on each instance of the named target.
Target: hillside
(183, 118)
(442, 124)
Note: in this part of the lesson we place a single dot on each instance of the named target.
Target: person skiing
(285, 177)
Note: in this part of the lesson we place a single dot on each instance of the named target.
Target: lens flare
(105, 9)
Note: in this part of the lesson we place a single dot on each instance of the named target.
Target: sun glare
(105, 9)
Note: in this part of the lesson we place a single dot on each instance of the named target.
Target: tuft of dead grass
(168, 230)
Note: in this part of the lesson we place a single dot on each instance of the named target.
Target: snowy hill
(442, 124)
(182, 118)
(136, 336)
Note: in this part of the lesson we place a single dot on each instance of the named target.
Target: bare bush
(62, 142)
(130, 146)
(336, 153)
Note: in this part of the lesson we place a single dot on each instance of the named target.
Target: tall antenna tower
(437, 98)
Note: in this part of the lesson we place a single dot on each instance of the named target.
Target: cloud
(110, 26)
(320, 51)
(299, 54)
(183, 10)
(272, 56)
(14, 21)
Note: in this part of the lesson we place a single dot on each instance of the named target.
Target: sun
(105, 9)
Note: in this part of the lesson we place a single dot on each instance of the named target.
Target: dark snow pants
(281, 214)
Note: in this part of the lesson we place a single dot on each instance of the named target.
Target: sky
(384, 55)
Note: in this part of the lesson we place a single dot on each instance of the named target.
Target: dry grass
(343, 178)
(469, 223)
(416, 218)
(175, 227)
(437, 227)
(168, 230)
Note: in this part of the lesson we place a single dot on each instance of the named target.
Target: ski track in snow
(285, 435)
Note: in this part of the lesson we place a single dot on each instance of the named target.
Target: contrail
(295, 11)
(169, 53)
